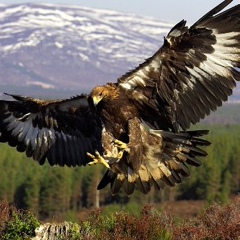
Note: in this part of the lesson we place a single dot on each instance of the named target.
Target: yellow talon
(120, 144)
(97, 158)
(120, 155)
(123, 147)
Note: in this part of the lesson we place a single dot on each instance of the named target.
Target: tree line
(57, 190)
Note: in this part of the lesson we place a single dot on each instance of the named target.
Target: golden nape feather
(138, 127)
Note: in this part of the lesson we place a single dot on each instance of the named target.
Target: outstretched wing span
(61, 131)
(191, 74)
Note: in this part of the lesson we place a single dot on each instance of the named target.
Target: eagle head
(104, 93)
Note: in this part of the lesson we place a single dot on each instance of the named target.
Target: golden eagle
(138, 126)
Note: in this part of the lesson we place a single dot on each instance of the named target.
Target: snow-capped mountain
(76, 48)
(45, 47)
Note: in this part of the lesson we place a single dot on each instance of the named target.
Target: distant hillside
(229, 113)
(51, 47)
(53, 50)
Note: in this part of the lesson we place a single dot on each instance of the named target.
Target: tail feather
(193, 161)
(158, 184)
(107, 178)
(169, 180)
(143, 186)
(164, 163)
(176, 176)
(117, 183)
(180, 167)
(156, 175)
(128, 187)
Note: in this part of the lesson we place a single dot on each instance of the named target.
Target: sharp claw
(90, 155)
(120, 155)
(97, 158)
(120, 144)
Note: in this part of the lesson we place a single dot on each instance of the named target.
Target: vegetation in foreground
(216, 222)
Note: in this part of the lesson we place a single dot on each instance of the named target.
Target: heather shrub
(150, 224)
(16, 224)
(4, 214)
(216, 222)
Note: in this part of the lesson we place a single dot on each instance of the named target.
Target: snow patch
(40, 84)
(59, 45)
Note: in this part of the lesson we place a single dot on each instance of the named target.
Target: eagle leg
(97, 158)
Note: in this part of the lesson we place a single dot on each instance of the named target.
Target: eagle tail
(117, 181)
(178, 151)
(174, 154)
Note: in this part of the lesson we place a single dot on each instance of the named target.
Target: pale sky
(169, 10)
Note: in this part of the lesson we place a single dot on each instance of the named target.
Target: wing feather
(62, 131)
(192, 74)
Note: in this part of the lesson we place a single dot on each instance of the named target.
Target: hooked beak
(96, 100)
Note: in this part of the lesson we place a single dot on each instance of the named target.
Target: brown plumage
(138, 126)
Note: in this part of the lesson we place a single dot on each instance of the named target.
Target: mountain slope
(72, 47)
(48, 48)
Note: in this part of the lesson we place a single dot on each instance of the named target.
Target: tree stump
(56, 231)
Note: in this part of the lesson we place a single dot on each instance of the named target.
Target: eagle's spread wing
(61, 131)
(191, 74)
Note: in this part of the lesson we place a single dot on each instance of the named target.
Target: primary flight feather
(138, 126)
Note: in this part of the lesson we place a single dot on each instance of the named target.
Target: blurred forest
(53, 191)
